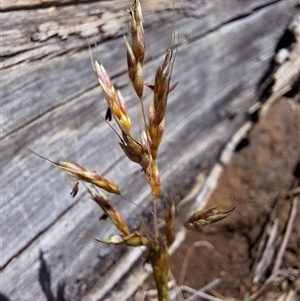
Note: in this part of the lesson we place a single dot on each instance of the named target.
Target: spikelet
(109, 209)
(137, 31)
(81, 174)
(136, 51)
(203, 218)
(114, 100)
(135, 151)
(162, 87)
(157, 108)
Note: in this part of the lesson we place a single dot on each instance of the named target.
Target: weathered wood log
(51, 102)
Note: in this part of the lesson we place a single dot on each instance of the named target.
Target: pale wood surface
(51, 102)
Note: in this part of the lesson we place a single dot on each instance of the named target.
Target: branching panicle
(143, 151)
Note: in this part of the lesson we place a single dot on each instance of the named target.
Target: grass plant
(143, 151)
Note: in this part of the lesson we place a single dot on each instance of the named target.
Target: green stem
(154, 207)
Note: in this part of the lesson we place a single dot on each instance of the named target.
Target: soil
(259, 181)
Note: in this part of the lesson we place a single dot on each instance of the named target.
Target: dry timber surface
(51, 102)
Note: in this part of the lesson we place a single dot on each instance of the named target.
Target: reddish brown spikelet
(109, 209)
(157, 108)
(135, 151)
(136, 52)
(83, 174)
(137, 31)
(161, 87)
(205, 217)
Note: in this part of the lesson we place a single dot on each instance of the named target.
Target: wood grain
(51, 102)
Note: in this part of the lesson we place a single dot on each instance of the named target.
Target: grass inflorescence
(143, 151)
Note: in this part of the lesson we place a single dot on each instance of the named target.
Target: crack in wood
(106, 27)
(9, 6)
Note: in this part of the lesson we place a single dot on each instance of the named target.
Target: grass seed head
(143, 153)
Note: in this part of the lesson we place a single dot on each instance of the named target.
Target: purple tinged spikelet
(83, 174)
(109, 209)
(136, 51)
(115, 100)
